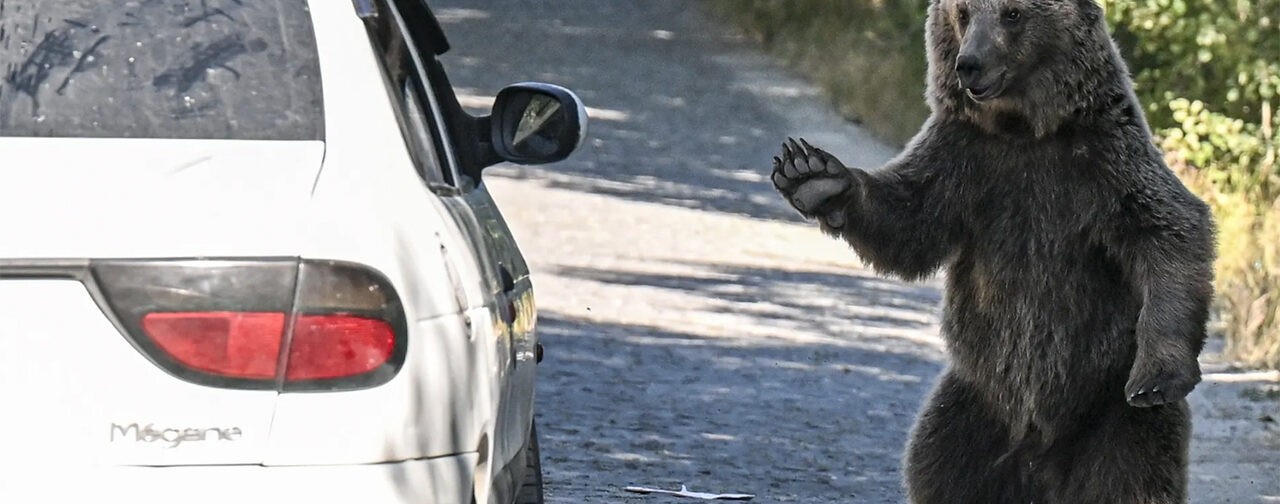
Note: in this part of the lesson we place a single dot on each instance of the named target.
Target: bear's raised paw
(812, 181)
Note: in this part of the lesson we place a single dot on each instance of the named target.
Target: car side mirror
(536, 123)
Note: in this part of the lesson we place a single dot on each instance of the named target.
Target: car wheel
(531, 489)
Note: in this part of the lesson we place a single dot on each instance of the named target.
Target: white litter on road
(685, 492)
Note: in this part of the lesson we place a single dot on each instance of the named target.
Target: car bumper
(443, 480)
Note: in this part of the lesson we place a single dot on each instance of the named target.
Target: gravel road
(697, 332)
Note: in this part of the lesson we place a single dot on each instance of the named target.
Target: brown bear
(1078, 267)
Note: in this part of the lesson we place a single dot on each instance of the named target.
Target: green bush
(1208, 72)
(1221, 52)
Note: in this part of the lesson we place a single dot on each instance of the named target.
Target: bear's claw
(811, 179)
(1162, 388)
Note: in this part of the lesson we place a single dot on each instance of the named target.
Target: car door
(504, 272)
(407, 91)
(514, 291)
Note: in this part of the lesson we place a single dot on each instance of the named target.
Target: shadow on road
(801, 293)
(626, 404)
(805, 392)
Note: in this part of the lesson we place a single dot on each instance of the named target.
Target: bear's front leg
(1169, 254)
(814, 182)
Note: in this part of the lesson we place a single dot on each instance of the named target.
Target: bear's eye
(1012, 15)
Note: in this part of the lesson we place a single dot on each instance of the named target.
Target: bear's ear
(1090, 10)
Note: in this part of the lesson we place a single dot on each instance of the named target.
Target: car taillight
(333, 346)
(260, 324)
(236, 344)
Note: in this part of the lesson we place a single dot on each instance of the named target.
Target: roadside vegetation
(1208, 72)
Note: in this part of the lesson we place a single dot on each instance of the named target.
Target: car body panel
(112, 198)
(517, 310)
(77, 393)
(427, 410)
(442, 480)
(507, 273)
(369, 206)
(360, 151)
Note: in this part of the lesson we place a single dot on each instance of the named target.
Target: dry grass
(1247, 270)
(868, 55)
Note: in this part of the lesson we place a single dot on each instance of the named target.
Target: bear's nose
(968, 68)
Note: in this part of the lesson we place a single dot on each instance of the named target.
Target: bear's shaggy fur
(1079, 268)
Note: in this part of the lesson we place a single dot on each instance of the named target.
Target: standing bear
(1078, 267)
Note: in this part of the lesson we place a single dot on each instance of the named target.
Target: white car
(246, 255)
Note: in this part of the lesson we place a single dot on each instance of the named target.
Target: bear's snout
(979, 80)
(980, 63)
(968, 68)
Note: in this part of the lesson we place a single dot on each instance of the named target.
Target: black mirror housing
(536, 123)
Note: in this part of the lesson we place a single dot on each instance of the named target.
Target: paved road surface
(697, 332)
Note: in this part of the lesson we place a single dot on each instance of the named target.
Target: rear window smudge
(160, 69)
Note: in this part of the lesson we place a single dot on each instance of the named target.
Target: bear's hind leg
(956, 449)
(1132, 456)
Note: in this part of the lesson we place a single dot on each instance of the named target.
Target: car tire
(531, 489)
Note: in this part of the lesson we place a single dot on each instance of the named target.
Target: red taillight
(247, 344)
(334, 346)
(225, 324)
(231, 344)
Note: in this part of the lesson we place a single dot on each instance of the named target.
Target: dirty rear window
(225, 69)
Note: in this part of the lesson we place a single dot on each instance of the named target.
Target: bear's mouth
(987, 91)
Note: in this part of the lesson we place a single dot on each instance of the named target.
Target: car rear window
(224, 69)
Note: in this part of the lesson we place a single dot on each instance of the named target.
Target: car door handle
(443, 190)
(508, 280)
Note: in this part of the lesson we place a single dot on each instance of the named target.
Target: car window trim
(420, 132)
(436, 117)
